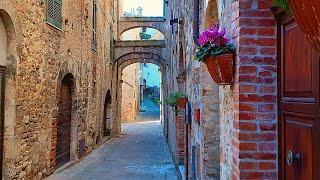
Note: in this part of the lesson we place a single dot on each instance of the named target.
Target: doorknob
(292, 157)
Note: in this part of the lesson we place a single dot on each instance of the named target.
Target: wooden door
(298, 104)
(2, 89)
(64, 123)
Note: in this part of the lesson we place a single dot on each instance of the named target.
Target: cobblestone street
(140, 152)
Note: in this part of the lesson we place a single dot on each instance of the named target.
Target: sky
(150, 7)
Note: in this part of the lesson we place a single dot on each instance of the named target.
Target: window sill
(53, 26)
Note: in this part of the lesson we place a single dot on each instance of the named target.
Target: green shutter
(54, 13)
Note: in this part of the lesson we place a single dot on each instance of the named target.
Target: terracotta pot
(307, 15)
(181, 102)
(221, 68)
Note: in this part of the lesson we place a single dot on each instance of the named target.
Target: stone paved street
(139, 153)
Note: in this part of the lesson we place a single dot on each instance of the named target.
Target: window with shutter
(54, 13)
(94, 26)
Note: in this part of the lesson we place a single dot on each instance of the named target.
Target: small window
(54, 13)
(94, 26)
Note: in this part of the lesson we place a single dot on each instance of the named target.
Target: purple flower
(213, 35)
(203, 39)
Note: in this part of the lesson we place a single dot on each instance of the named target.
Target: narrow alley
(139, 152)
(159, 89)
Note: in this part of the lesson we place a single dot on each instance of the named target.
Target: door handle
(292, 157)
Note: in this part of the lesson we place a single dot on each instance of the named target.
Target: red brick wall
(180, 125)
(255, 92)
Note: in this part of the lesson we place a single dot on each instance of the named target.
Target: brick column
(254, 143)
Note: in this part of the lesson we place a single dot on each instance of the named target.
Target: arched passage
(107, 115)
(141, 33)
(156, 23)
(141, 57)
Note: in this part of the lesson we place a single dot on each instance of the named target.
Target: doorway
(107, 115)
(299, 105)
(64, 122)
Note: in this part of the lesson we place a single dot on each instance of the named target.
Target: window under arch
(141, 33)
(141, 8)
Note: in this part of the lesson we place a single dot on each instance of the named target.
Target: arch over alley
(142, 57)
(127, 23)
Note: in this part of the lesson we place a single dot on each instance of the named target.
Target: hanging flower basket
(307, 15)
(221, 68)
(181, 102)
(217, 52)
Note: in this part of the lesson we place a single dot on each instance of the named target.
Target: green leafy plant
(213, 42)
(173, 97)
(284, 4)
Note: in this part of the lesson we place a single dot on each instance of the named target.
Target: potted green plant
(217, 52)
(176, 99)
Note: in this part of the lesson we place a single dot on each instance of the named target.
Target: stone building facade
(232, 130)
(51, 71)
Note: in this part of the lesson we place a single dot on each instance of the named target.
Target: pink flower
(214, 35)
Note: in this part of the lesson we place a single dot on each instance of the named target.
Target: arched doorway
(107, 115)
(63, 123)
(7, 86)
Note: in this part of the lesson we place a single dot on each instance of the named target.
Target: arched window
(141, 33)
(141, 8)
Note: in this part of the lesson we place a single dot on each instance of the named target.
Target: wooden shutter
(94, 26)
(54, 13)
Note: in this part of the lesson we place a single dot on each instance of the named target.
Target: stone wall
(41, 56)
(203, 93)
(130, 98)
(236, 136)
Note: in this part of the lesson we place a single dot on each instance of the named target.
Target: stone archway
(140, 57)
(107, 115)
(61, 140)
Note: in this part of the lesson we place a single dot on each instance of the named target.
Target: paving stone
(139, 153)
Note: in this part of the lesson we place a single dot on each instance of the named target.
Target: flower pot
(221, 68)
(307, 15)
(181, 102)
